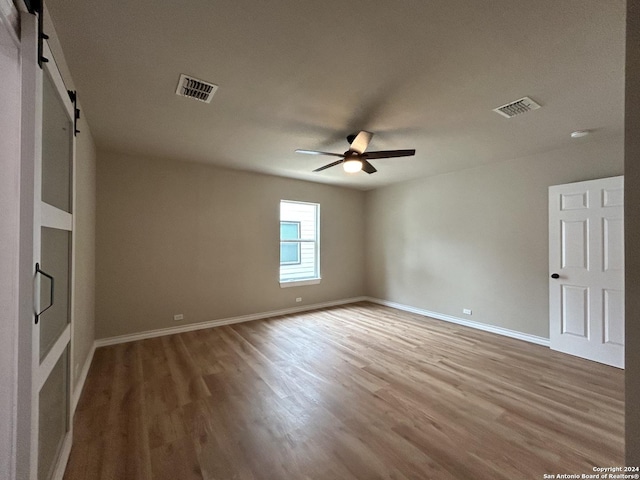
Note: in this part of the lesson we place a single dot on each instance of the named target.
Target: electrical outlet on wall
(466, 311)
(178, 317)
(298, 299)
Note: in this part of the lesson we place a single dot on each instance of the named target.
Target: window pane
(289, 230)
(289, 253)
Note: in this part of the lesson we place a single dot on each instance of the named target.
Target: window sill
(300, 283)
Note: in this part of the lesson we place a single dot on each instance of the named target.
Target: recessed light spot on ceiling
(523, 105)
(194, 88)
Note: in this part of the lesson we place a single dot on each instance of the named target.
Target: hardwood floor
(354, 392)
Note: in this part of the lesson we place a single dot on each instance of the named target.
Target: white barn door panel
(586, 268)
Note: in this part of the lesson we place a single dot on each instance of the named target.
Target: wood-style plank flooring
(354, 392)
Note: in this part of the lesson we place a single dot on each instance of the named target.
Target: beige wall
(477, 238)
(179, 237)
(632, 234)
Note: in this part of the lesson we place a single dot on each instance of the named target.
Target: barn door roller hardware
(73, 95)
(36, 7)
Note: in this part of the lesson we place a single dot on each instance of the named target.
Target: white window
(299, 243)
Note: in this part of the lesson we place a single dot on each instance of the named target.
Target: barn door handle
(42, 272)
(555, 275)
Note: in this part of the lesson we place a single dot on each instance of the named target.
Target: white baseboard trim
(467, 323)
(102, 342)
(83, 378)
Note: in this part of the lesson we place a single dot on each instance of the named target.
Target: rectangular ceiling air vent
(196, 89)
(525, 104)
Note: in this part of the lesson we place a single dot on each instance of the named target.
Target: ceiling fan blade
(315, 152)
(329, 165)
(361, 142)
(367, 167)
(389, 154)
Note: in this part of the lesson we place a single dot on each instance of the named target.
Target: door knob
(555, 275)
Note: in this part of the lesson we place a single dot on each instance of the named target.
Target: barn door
(53, 267)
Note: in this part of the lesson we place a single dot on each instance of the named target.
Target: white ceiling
(305, 73)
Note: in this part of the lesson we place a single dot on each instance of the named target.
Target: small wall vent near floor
(525, 104)
(196, 89)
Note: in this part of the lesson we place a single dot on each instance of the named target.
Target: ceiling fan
(355, 159)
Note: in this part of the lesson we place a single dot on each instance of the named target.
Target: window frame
(316, 241)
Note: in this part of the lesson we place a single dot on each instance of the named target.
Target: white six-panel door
(586, 270)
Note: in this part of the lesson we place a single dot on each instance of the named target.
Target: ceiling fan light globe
(352, 165)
